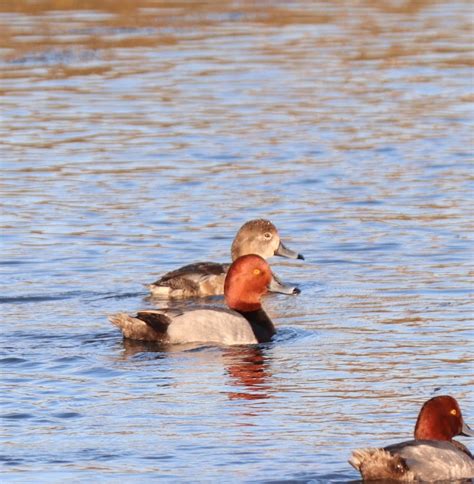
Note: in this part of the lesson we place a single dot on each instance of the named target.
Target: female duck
(432, 456)
(207, 278)
(245, 322)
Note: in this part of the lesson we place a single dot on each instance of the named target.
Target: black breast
(261, 324)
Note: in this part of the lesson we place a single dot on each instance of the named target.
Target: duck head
(260, 237)
(440, 418)
(247, 280)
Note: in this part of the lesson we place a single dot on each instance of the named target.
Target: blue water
(138, 138)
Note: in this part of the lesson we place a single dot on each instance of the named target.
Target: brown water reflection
(103, 26)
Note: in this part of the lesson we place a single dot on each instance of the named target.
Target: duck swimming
(245, 322)
(432, 456)
(207, 278)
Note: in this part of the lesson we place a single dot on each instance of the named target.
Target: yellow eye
(453, 412)
(257, 271)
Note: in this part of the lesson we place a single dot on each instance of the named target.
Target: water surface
(139, 136)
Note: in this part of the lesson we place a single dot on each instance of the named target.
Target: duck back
(199, 279)
(432, 460)
(216, 325)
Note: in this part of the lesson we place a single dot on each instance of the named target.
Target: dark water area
(137, 137)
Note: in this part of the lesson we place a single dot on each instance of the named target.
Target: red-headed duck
(207, 278)
(245, 322)
(432, 456)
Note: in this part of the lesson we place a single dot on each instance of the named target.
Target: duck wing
(432, 460)
(198, 269)
(201, 278)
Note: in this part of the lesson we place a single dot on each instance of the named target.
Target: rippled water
(139, 136)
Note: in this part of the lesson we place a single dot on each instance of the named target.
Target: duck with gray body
(432, 456)
(244, 322)
(210, 325)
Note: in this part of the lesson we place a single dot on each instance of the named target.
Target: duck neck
(260, 323)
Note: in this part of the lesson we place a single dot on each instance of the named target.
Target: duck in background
(432, 456)
(202, 279)
(245, 322)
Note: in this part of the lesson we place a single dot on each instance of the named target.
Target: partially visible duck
(207, 278)
(432, 456)
(245, 322)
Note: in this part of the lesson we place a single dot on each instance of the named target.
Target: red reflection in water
(248, 367)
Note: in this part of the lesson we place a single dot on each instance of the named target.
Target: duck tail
(129, 326)
(379, 464)
(146, 326)
(359, 456)
(120, 319)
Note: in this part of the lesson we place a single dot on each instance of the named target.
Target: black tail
(158, 321)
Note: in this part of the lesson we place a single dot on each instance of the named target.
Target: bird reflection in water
(248, 368)
(132, 348)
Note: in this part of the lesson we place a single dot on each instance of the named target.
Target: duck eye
(257, 272)
(267, 235)
(453, 412)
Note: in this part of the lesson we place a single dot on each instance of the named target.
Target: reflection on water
(248, 368)
(137, 137)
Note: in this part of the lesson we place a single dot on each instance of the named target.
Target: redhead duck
(245, 322)
(432, 456)
(207, 278)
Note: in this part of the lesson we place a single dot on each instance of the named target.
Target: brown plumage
(258, 237)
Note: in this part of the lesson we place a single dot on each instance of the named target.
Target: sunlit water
(138, 137)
